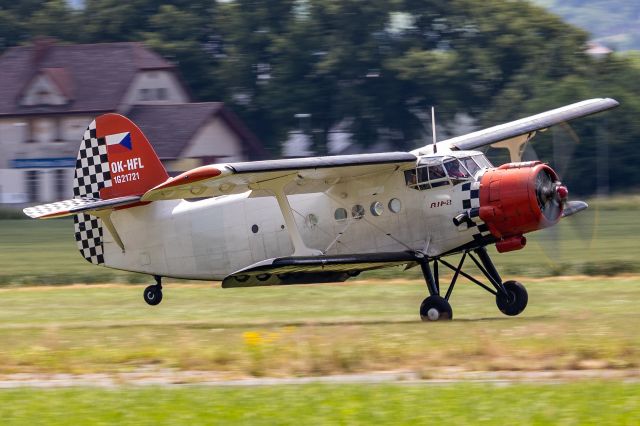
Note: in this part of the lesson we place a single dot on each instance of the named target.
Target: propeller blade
(573, 207)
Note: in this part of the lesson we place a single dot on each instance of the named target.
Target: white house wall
(43, 91)
(216, 139)
(44, 139)
(13, 185)
(152, 81)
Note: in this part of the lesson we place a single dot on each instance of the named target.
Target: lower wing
(314, 269)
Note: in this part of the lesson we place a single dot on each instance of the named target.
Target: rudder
(115, 159)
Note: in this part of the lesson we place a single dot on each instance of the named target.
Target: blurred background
(234, 80)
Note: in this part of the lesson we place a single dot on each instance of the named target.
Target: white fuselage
(212, 238)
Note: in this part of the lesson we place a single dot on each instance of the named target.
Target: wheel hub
(433, 314)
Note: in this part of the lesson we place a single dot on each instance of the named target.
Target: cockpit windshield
(433, 172)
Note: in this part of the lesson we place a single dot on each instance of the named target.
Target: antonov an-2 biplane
(319, 219)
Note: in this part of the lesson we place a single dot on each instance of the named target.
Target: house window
(145, 94)
(58, 131)
(60, 181)
(161, 94)
(42, 97)
(33, 185)
(29, 132)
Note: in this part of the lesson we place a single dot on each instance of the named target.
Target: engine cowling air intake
(517, 198)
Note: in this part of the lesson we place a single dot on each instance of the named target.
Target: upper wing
(304, 175)
(525, 125)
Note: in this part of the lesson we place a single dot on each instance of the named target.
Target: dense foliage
(373, 67)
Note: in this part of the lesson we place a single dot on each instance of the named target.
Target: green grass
(44, 252)
(317, 330)
(599, 241)
(476, 404)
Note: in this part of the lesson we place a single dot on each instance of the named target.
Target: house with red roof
(50, 92)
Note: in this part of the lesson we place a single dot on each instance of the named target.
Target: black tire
(152, 295)
(435, 308)
(517, 301)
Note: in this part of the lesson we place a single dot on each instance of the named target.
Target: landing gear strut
(511, 296)
(153, 293)
(434, 307)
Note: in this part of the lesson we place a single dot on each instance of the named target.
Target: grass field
(600, 403)
(577, 323)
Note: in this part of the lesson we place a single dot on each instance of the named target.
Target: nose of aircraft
(517, 198)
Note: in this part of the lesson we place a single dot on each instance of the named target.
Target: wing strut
(276, 187)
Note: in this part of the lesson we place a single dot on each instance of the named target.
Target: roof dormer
(51, 86)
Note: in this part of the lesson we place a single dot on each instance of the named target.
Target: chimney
(41, 47)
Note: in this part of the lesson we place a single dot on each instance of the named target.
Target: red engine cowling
(517, 198)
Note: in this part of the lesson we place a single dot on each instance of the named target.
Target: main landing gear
(511, 296)
(153, 294)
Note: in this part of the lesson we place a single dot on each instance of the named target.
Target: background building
(50, 92)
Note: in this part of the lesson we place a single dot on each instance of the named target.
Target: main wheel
(152, 295)
(435, 308)
(517, 301)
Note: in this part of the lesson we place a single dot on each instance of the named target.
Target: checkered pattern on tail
(92, 165)
(92, 174)
(471, 203)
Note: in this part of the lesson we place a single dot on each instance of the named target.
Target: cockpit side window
(437, 176)
(456, 171)
(417, 178)
(470, 164)
(482, 161)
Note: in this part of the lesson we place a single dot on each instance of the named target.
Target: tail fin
(115, 160)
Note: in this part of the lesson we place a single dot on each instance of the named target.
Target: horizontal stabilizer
(313, 269)
(77, 205)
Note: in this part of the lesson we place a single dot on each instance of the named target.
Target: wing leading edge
(524, 126)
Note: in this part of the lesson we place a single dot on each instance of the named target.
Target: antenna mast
(433, 129)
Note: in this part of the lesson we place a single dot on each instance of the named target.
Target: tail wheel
(152, 295)
(435, 308)
(517, 300)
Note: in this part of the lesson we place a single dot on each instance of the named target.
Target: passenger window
(357, 211)
(340, 214)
